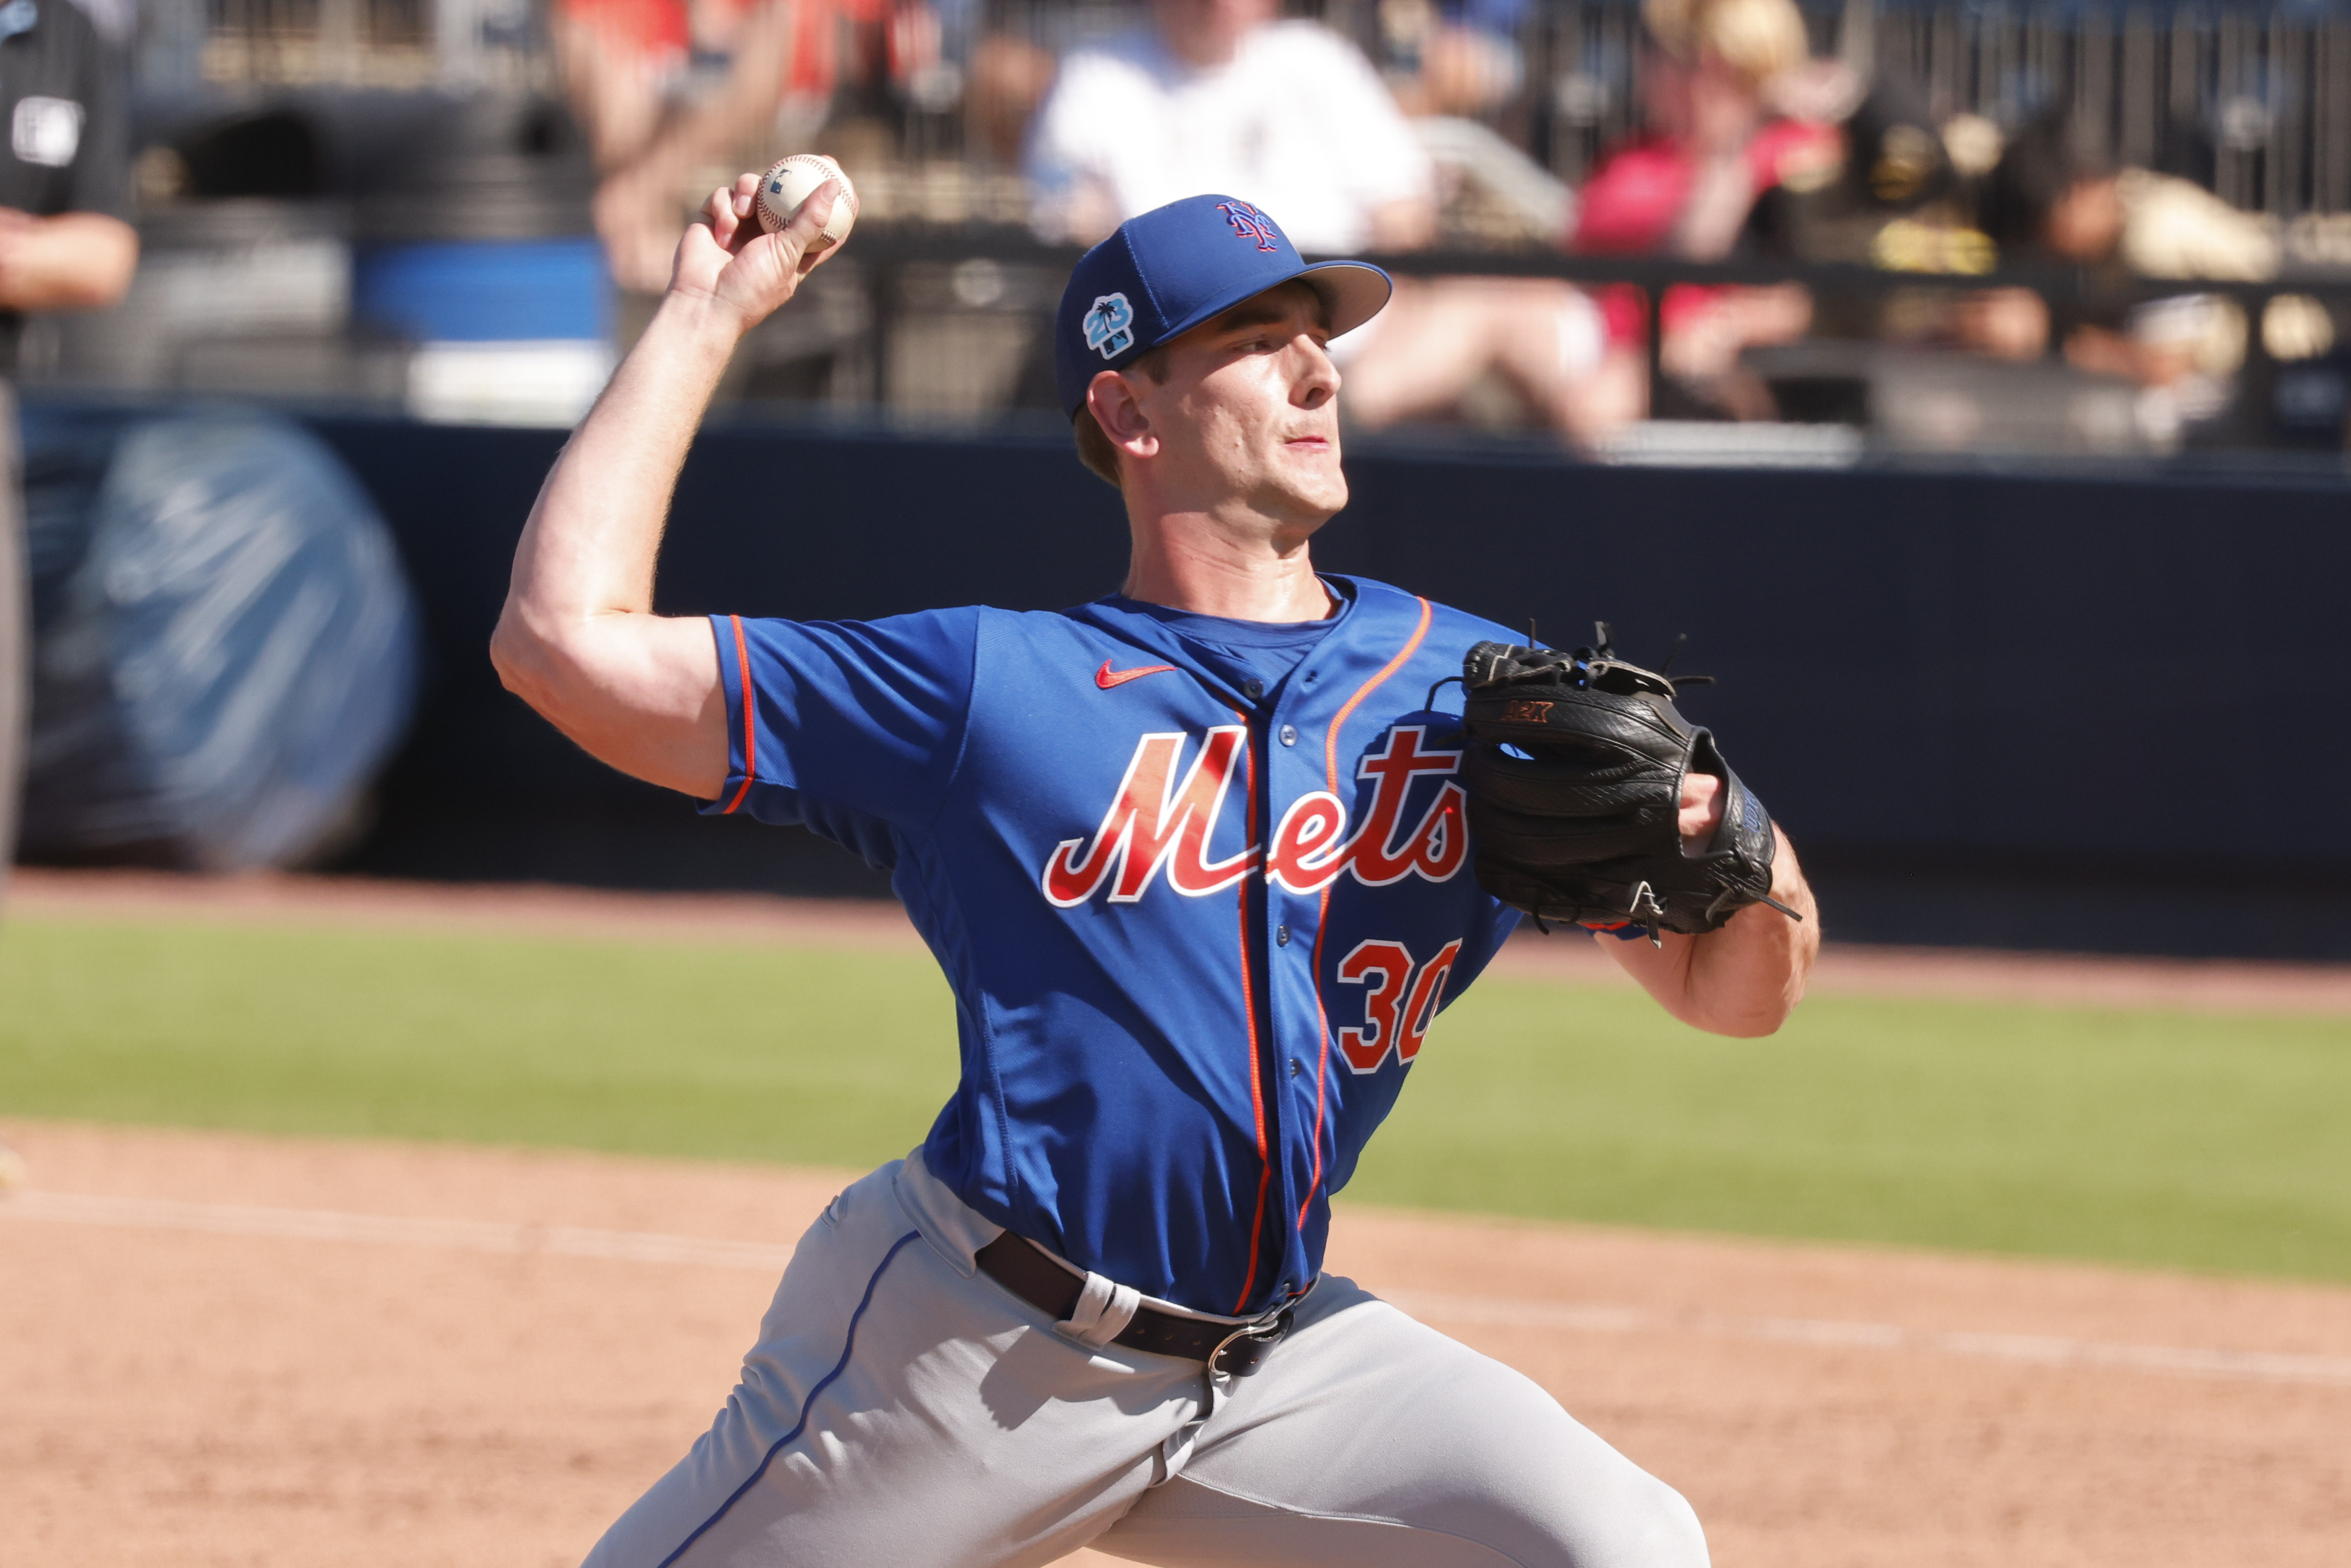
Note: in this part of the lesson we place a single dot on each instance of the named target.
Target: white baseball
(794, 180)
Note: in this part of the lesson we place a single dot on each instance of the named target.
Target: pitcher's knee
(1656, 1529)
(1589, 1504)
(1578, 1505)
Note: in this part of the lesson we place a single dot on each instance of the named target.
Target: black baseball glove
(1574, 775)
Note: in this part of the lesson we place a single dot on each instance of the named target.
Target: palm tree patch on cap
(1110, 326)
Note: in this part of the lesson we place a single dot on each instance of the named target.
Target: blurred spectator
(664, 86)
(1461, 57)
(668, 88)
(1899, 200)
(1007, 80)
(620, 61)
(1689, 185)
(66, 244)
(1219, 96)
(2053, 198)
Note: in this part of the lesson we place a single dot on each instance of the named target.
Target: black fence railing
(2252, 100)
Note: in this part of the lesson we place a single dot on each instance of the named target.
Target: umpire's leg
(1368, 1440)
(15, 634)
(15, 672)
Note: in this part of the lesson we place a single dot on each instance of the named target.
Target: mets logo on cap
(1110, 326)
(1249, 224)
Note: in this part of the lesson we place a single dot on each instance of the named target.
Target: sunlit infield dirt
(214, 1349)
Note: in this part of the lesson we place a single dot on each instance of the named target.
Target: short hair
(1760, 39)
(1095, 449)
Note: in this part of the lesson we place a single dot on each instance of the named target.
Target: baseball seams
(793, 180)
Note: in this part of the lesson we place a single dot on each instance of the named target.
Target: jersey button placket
(1289, 773)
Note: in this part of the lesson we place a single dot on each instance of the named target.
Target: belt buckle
(1238, 1353)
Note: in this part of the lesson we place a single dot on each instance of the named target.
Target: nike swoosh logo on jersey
(1107, 677)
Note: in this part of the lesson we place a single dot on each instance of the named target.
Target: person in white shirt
(1285, 113)
(1218, 95)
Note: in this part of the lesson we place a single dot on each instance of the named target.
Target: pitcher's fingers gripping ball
(793, 180)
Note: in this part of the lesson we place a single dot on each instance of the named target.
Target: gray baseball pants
(904, 1410)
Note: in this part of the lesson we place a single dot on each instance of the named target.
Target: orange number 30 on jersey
(1399, 1005)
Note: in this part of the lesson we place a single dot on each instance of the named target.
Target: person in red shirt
(1688, 186)
(664, 87)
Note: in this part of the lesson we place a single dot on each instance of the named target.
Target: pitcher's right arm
(577, 638)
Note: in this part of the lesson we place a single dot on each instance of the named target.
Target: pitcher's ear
(1117, 408)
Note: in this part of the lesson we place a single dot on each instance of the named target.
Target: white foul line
(462, 1235)
(654, 1246)
(2042, 1350)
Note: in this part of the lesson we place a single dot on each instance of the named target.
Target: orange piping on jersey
(743, 672)
(1322, 915)
(1248, 1011)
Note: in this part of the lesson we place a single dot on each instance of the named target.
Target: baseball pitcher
(1201, 860)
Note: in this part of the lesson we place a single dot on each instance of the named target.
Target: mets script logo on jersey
(1158, 820)
(1110, 326)
(1249, 224)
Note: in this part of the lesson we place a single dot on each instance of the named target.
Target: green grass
(2192, 1140)
(2144, 1136)
(718, 1052)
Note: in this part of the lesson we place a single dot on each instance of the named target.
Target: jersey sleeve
(849, 729)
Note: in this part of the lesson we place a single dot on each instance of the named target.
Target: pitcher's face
(1249, 408)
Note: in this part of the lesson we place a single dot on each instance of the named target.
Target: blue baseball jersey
(1198, 898)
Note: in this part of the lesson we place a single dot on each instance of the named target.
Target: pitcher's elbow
(1751, 1017)
(525, 663)
(506, 653)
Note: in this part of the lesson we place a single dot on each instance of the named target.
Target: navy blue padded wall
(2023, 710)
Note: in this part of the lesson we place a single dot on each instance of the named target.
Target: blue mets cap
(1168, 270)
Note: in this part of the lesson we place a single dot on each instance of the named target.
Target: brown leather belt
(1234, 1349)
